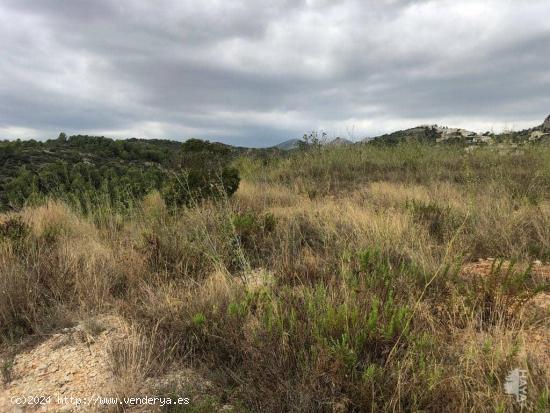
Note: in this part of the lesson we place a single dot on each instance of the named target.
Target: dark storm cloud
(250, 73)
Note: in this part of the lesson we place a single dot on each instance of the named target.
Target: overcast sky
(256, 73)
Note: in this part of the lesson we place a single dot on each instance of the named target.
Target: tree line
(86, 170)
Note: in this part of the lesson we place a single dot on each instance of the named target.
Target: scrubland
(332, 280)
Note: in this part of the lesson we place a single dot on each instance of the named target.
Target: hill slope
(444, 134)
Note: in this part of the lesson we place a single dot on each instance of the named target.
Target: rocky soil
(75, 363)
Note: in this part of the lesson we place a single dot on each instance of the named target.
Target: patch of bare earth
(72, 363)
(76, 363)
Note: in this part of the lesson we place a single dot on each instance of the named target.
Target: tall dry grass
(329, 282)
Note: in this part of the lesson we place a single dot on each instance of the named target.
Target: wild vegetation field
(334, 279)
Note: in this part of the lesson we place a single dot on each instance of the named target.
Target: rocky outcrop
(446, 133)
(440, 134)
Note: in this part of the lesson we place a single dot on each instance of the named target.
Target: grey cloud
(249, 73)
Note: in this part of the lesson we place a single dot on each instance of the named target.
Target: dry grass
(309, 290)
(134, 358)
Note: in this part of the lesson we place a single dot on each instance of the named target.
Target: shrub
(250, 227)
(439, 220)
(14, 229)
(192, 186)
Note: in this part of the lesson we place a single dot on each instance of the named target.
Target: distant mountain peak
(340, 141)
(288, 145)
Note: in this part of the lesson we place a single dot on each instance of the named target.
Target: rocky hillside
(429, 134)
(444, 134)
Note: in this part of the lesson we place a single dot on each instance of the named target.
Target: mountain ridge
(442, 134)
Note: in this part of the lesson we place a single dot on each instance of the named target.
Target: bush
(251, 227)
(192, 186)
(13, 229)
(204, 173)
(439, 220)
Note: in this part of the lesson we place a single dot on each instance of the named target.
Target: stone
(546, 124)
